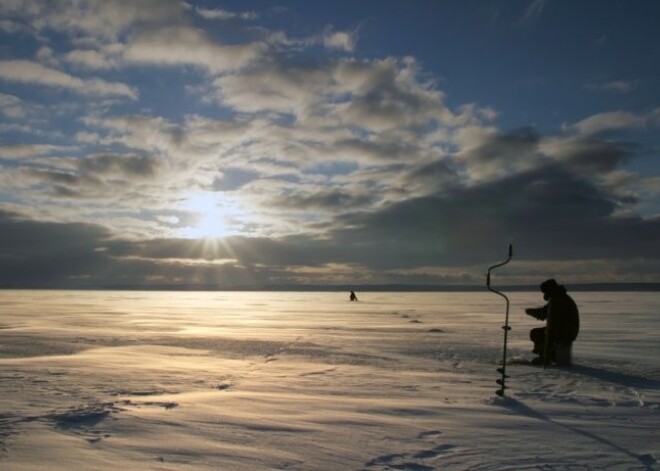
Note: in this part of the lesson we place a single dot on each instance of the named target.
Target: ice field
(310, 381)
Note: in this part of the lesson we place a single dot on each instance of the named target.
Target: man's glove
(536, 312)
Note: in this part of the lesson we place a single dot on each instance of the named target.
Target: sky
(264, 143)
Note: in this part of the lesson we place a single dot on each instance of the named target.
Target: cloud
(340, 40)
(377, 95)
(608, 121)
(194, 153)
(325, 200)
(587, 155)
(94, 60)
(45, 176)
(151, 134)
(62, 181)
(127, 165)
(98, 18)
(12, 106)
(489, 156)
(43, 253)
(24, 71)
(12, 27)
(437, 175)
(389, 94)
(548, 213)
(269, 86)
(618, 86)
(325, 175)
(225, 15)
(184, 45)
(46, 56)
(25, 151)
(234, 178)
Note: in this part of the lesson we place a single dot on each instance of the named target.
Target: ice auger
(502, 369)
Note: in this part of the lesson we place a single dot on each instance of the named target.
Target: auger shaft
(505, 327)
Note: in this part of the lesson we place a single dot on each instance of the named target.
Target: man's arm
(540, 313)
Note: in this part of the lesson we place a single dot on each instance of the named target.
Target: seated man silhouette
(562, 322)
(353, 297)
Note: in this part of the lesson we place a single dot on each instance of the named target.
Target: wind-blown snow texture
(311, 381)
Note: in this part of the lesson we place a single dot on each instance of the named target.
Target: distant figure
(353, 297)
(562, 322)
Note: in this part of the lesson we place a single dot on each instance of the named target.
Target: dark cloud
(595, 156)
(64, 184)
(59, 191)
(548, 213)
(93, 176)
(438, 175)
(326, 200)
(55, 177)
(35, 253)
(503, 153)
(507, 146)
(127, 165)
(379, 149)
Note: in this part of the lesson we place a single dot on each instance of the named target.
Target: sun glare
(211, 216)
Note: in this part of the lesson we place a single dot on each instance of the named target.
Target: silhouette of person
(562, 322)
(353, 297)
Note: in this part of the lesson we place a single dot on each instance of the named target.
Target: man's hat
(549, 286)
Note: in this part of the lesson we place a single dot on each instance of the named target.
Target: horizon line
(393, 287)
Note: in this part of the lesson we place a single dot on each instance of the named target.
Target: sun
(210, 213)
(211, 225)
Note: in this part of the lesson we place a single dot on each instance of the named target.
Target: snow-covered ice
(310, 381)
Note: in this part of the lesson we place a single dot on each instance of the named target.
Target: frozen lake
(310, 381)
